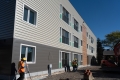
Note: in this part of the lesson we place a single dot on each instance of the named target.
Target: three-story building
(45, 32)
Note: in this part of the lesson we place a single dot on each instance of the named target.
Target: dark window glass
(65, 15)
(25, 14)
(75, 42)
(81, 28)
(31, 20)
(23, 51)
(91, 49)
(81, 42)
(30, 54)
(75, 25)
(65, 59)
(92, 40)
(65, 36)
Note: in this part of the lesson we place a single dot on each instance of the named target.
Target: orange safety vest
(74, 63)
(21, 67)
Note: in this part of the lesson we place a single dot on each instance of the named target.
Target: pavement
(98, 74)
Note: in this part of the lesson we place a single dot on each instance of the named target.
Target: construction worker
(74, 64)
(88, 75)
(21, 69)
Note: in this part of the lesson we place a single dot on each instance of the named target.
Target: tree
(111, 39)
(100, 50)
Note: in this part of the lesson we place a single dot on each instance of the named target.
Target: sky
(102, 16)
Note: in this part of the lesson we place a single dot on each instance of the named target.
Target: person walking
(21, 69)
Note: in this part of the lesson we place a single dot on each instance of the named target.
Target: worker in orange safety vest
(74, 64)
(21, 69)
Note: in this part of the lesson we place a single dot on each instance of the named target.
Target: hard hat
(75, 59)
(24, 59)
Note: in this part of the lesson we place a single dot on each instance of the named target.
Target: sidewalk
(41, 77)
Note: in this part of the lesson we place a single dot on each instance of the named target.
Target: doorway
(65, 59)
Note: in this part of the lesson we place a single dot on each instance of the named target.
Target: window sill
(31, 62)
(30, 24)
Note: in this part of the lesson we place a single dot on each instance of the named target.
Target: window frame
(91, 49)
(26, 45)
(64, 15)
(76, 42)
(60, 56)
(81, 28)
(64, 32)
(28, 17)
(92, 40)
(76, 26)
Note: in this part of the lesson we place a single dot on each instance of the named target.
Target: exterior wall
(44, 35)
(84, 45)
(5, 56)
(94, 44)
(7, 14)
(47, 29)
(44, 55)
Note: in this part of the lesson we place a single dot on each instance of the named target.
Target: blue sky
(102, 16)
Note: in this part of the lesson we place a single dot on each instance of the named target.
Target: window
(28, 52)
(75, 25)
(92, 40)
(91, 49)
(29, 16)
(87, 34)
(81, 42)
(81, 28)
(65, 37)
(87, 46)
(75, 42)
(65, 15)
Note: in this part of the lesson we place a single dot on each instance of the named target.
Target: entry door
(65, 58)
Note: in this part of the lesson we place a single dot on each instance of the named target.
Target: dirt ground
(97, 73)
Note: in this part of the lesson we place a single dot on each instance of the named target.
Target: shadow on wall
(94, 61)
(13, 72)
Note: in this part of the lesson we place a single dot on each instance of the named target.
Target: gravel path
(97, 73)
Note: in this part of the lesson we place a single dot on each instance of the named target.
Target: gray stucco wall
(44, 55)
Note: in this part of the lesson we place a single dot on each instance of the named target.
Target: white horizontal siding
(47, 30)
